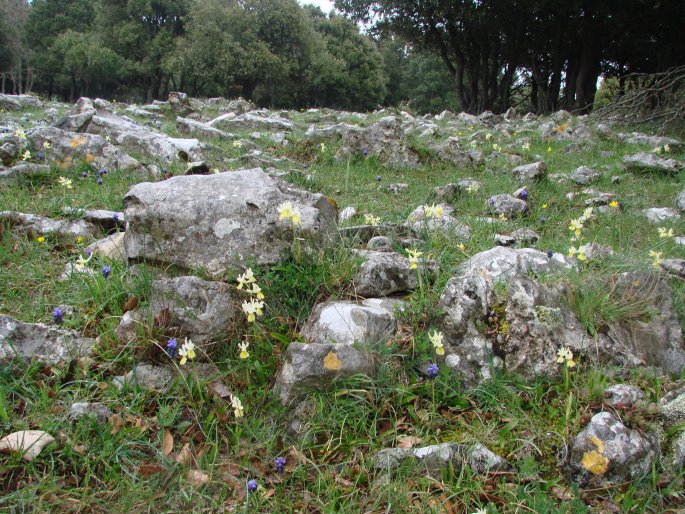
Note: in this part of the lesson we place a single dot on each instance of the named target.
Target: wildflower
(576, 226)
(549, 149)
(46, 145)
(165, 169)
(613, 203)
(244, 354)
(279, 462)
(496, 147)
(288, 212)
(26, 156)
(108, 138)
(103, 171)
(81, 262)
(100, 181)
(436, 339)
(665, 233)
(106, 270)
(40, 156)
(84, 174)
(90, 158)
(256, 290)
(565, 355)
(587, 214)
(187, 351)
(372, 220)
(544, 205)
(20, 133)
(252, 485)
(543, 219)
(365, 151)
(40, 239)
(523, 195)
(432, 371)
(488, 136)
(578, 253)
(323, 147)
(667, 148)
(433, 211)
(526, 146)
(246, 278)
(171, 347)
(58, 315)
(115, 217)
(414, 255)
(473, 188)
(550, 253)
(462, 247)
(237, 144)
(237, 405)
(64, 182)
(491, 201)
(253, 308)
(656, 256)
(379, 177)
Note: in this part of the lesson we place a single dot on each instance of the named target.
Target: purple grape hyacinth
(252, 485)
(58, 315)
(432, 371)
(279, 462)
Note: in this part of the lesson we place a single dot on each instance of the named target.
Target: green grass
(329, 464)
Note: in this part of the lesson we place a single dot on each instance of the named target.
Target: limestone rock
(110, 247)
(146, 376)
(370, 321)
(533, 171)
(660, 214)
(645, 162)
(34, 226)
(25, 170)
(384, 139)
(97, 410)
(608, 452)
(220, 220)
(197, 128)
(385, 273)
(314, 366)
(680, 200)
(584, 175)
(623, 396)
(508, 206)
(251, 120)
(45, 343)
(421, 219)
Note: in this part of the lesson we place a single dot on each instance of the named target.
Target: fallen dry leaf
(117, 424)
(30, 442)
(184, 457)
(332, 362)
(167, 442)
(408, 441)
(147, 470)
(197, 478)
(131, 304)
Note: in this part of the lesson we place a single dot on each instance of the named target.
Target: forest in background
(469, 55)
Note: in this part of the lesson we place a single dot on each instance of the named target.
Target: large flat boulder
(221, 220)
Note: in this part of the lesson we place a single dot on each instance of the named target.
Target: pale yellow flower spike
(244, 354)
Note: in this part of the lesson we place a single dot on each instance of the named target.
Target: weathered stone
(76, 122)
(197, 128)
(251, 120)
(346, 214)
(146, 376)
(675, 267)
(660, 214)
(584, 175)
(24, 171)
(608, 452)
(451, 151)
(8, 152)
(197, 168)
(672, 407)
(110, 247)
(638, 138)
(314, 366)
(34, 226)
(105, 219)
(439, 458)
(397, 188)
(508, 206)
(533, 171)
(10, 103)
(623, 396)
(220, 220)
(68, 147)
(370, 321)
(644, 162)
(379, 244)
(384, 139)
(680, 200)
(419, 221)
(449, 192)
(98, 410)
(521, 236)
(385, 273)
(45, 343)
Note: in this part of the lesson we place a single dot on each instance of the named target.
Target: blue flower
(432, 371)
(171, 348)
(365, 151)
(58, 315)
(40, 156)
(106, 270)
(100, 181)
(524, 195)
(84, 174)
(491, 201)
(103, 171)
(550, 253)
(542, 219)
(115, 217)
(252, 485)
(279, 462)
(379, 178)
(165, 169)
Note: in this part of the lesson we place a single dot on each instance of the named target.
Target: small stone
(623, 396)
(98, 410)
(533, 171)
